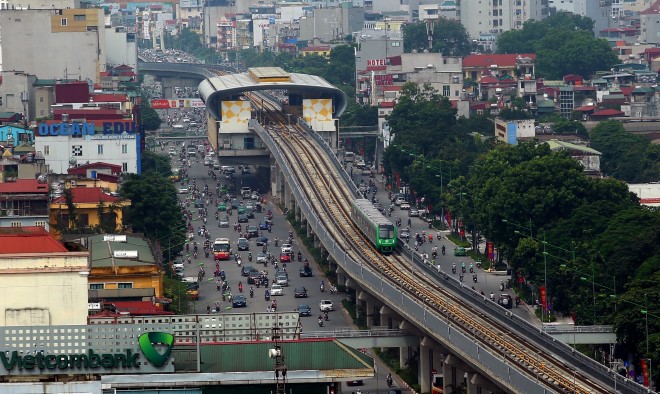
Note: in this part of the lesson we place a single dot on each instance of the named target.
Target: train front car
(387, 238)
(374, 225)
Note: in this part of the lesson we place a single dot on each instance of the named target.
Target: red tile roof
(82, 169)
(28, 240)
(83, 195)
(386, 104)
(137, 308)
(586, 108)
(23, 186)
(107, 98)
(653, 9)
(501, 60)
(608, 112)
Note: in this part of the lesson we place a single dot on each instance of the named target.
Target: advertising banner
(544, 300)
(177, 103)
(490, 251)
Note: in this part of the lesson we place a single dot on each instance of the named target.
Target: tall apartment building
(497, 16)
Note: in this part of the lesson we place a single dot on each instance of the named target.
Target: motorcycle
(239, 262)
(390, 381)
(325, 316)
(322, 287)
(251, 293)
(320, 322)
(453, 270)
(471, 268)
(474, 278)
(443, 250)
(267, 295)
(299, 256)
(240, 287)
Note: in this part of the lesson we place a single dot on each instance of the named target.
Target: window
(124, 148)
(396, 43)
(446, 90)
(124, 285)
(0, 100)
(41, 99)
(99, 149)
(16, 224)
(40, 224)
(46, 150)
(96, 286)
(63, 22)
(79, 17)
(124, 167)
(83, 219)
(76, 150)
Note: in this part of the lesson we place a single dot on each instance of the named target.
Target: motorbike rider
(443, 250)
(322, 286)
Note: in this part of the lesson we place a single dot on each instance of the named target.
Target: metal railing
(352, 333)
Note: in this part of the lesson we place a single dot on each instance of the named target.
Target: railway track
(330, 196)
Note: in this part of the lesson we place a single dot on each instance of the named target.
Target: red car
(285, 258)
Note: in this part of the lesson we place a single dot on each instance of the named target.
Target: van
(192, 151)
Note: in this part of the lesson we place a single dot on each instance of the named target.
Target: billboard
(177, 103)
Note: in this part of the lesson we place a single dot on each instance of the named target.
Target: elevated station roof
(226, 87)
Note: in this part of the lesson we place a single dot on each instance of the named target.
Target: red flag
(490, 251)
(645, 372)
(543, 297)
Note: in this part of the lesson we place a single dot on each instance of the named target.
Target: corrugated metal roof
(319, 355)
(102, 252)
(561, 145)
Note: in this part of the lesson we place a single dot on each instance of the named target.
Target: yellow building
(41, 282)
(92, 209)
(123, 268)
(320, 50)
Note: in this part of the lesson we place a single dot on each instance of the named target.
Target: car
(355, 382)
(243, 218)
(276, 290)
(460, 251)
(252, 231)
(245, 270)
(505, 301)
(263, 225)
(286, 248)
(243, 244)
(306, 272)
(262, 241)
(255, 196)
(239, 301)
(216, 166)
(300, 292)
(285, 258)
(304, 310)
(366, 171)
(241, 210)
(228, 169)
(253, 277)
(193, 294)
(222, 206)
(249, 213)
(404, 233)
(246, 192)
(413, 212)
(404, 206)
(224, 222)
(262, 258)
(282, 280)
(199, 203)
(326, 305)
(235, 203)
(183, 190)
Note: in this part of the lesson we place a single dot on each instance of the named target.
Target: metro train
(374, 225)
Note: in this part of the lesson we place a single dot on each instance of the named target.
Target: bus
(437, 381)
(221, 249)
(349, 157)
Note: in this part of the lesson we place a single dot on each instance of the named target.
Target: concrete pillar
(478, 384)
(404, 355)
(385, 317)
(369, 310)
(425, 357)
(454, 373)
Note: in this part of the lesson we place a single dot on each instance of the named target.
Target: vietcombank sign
(155, 349)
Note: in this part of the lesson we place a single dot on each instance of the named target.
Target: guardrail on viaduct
(493, 365)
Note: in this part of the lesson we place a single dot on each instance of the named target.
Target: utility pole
(280, 365)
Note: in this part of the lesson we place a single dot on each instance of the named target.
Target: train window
(386, 231)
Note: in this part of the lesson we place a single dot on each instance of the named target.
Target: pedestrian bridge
(580, 335)
(358, 339)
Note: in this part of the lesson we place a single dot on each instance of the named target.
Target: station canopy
(228, 87)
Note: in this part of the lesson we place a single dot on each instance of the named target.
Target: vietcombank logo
(147, 342)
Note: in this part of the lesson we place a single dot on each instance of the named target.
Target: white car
(326, 305)
(183, 190)
(404, 206)
(286, 248)
(276, 290)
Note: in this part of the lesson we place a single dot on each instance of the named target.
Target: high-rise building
(497, 16)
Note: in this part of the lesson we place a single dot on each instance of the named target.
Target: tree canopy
(626, 156)
(450, 38)
(148, 116)
(564, 44)
(154, 208)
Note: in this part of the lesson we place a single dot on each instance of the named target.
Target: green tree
(566, 126)
(450, 38)
(155, 210)
(156, 162)
(564, 44)
(625, 156)
(175, 290)
(148, 116)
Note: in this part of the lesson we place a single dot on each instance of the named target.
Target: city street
(209, 296)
